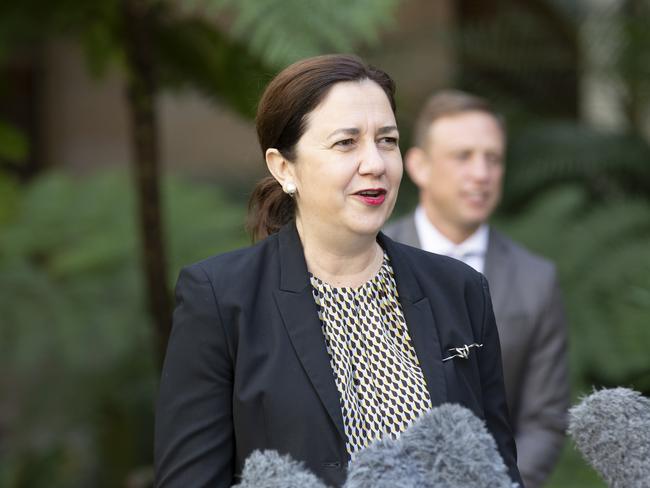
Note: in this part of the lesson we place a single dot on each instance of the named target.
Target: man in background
(457, 163)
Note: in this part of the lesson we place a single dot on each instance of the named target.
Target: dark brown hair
(282, 120)
(449, 102)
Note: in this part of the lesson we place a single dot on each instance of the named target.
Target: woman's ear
(418, 166)
(281, 169)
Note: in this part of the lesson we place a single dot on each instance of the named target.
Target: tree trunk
(144, 138)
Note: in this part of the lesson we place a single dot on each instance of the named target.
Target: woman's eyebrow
(351, 131)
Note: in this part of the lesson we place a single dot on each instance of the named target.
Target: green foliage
(75, 348)
(13, 151)
(283, 31)
(572, 471)
(13, 144)
(9, 197)
(98, 28)
(191, 49)
(192, 53)
(496, 43)
(601, 251)
(608, 165)
(523, 56)
(620, 57)
(538, 57)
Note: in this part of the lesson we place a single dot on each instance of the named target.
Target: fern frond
(606, 164)
(193, 53)
(602, 256)
(283, 31)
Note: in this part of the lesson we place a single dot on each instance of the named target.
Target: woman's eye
(344, 143)
(389, 141)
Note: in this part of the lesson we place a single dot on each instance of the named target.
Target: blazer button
(332, 464)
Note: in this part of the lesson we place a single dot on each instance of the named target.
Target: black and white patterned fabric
(376, 370)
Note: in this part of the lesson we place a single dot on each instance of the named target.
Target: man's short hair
(449, 102)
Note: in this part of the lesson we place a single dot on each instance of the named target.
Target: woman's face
(348, 166)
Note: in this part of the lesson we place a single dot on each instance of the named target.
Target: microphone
(386, 464)
(269, 469)
(447, 446)
(611, 428)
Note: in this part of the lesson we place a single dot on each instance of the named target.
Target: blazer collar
(294, 275)
(407, 285)
(300, 317)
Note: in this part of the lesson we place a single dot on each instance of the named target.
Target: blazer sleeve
(493, 389)
(194, 441)
(545, 393)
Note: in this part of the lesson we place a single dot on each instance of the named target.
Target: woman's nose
(372, 161)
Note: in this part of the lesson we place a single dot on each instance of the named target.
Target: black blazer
(247, 367)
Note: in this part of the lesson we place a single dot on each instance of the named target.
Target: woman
(325, 335)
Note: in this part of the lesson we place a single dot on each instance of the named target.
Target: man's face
(462, 171)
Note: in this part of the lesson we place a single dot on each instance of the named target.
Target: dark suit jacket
(247, 366)
(533, 333)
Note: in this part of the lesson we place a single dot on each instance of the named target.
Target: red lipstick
(372, 196)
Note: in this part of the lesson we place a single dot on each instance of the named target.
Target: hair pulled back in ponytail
(281, 121)
(269, 208)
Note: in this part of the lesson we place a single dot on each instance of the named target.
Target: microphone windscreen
(456, 449)
(447, 447)
(611, 428)
(269, 469)
(385, 464)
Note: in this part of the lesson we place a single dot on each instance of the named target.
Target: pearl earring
(290, 188)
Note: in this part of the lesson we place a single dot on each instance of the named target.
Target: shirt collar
(432, 240)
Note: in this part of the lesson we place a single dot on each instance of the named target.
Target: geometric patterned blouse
(376, 370)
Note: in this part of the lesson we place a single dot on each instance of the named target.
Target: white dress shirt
(471, 251)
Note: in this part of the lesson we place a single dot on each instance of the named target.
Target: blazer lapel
(300, 317)
(420, 322)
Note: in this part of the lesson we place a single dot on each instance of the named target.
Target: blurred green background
(127, 150)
